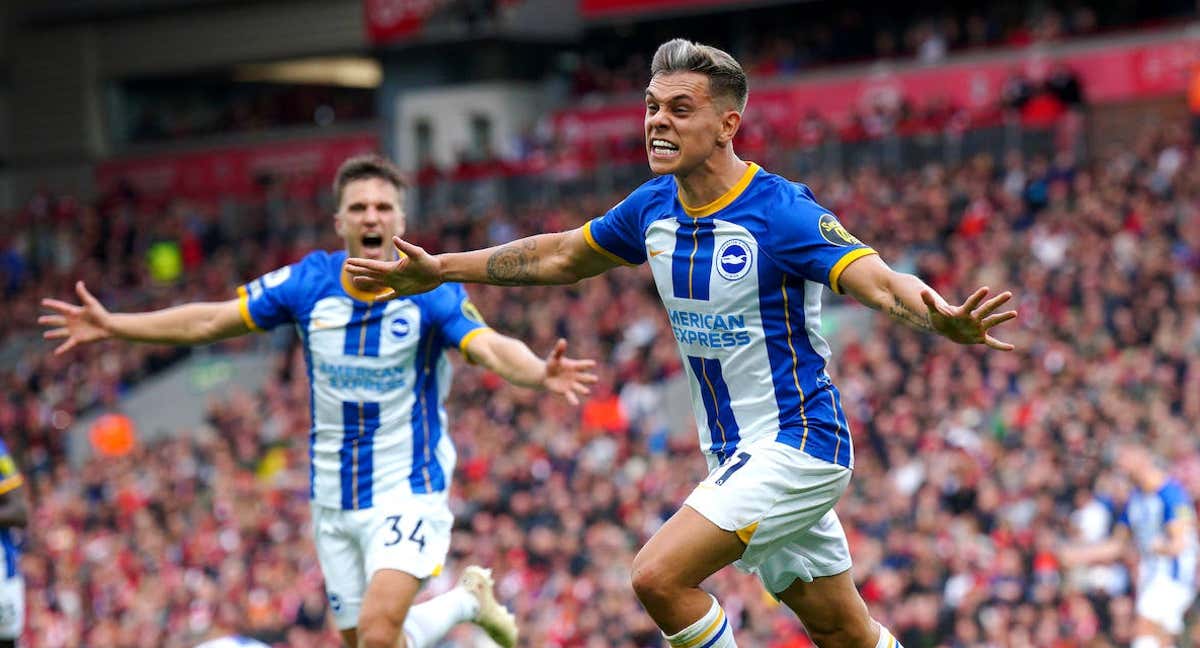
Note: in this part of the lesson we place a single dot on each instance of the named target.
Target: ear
(731, 121)
(338, 225)
(401, 222)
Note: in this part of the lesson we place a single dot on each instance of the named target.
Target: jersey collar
(355, 292)
(725, 199)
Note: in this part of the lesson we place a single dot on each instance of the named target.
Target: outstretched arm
(907, 299)
(560, 258)
(517, 364)
(1105, 551)
(89, 321)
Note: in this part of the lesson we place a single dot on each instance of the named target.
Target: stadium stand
(972, 468)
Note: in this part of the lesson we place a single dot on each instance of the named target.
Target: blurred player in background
(1160, 519)
(380, 458)
(14, 514)
(739, 256)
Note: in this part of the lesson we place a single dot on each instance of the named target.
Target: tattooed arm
(909, 300)
(560, 258)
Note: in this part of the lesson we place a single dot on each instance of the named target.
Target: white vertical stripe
(812, 318)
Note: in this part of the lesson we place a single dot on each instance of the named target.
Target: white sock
(711, 631)
(887, 639)
(1145, 641)
(430, 621)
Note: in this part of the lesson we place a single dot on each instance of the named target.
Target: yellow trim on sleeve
(244, 309)
(591, 241)
(835, 272)
(706, 635)
(462, 344)
(11, 483)
(723, 201)
(745, 533)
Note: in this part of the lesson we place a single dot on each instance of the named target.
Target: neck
(711, 179)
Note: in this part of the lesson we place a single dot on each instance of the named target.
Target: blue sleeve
(450, 309)
(620, 234)
(808, 241)
(1176, 505)
(271, 300)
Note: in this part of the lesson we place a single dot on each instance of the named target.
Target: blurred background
(169, 150)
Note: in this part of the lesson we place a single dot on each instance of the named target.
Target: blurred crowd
(776, 43)
(973, 467)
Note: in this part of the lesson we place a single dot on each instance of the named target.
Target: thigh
(827, 603)
(389, 596)
(409, 534)
(688, 549)
(341, 562)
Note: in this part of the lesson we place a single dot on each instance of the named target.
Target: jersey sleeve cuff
(466, 340)
(591, 241)
(835, 273)
(244, 309)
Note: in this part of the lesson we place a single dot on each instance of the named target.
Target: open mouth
(663, 148)
(372, 241)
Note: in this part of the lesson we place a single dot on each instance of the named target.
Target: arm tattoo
(511, 265)
(919, 320)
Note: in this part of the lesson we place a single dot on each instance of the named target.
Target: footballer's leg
(389, 619)
(834, 614)
(389, 595)
(811, 575)
(667, 573)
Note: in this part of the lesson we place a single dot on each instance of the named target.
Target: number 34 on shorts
(396, 533)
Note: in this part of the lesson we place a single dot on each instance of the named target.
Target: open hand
(415, 272)
(77, 324)
(567, 376)
(970, 323)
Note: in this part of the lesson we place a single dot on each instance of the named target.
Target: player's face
(683, 123)
(368, 217)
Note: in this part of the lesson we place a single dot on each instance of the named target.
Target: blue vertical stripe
(374, 321)
(427, 475)
(10, 553)
(347, 455)
(718, 406)
(355, 329)
(366, 455)
(691, 263)
(809, 418)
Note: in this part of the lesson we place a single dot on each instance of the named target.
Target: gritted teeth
(663, 144)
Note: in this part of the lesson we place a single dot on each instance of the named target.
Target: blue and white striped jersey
(1146, 515)
(377, 373)
(10, 480)
(742, 279)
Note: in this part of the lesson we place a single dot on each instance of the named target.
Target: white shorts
(409, 533)
(12, 607)
(1165, 601)
(779, 501)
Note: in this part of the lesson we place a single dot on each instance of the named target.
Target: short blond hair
(726, 78)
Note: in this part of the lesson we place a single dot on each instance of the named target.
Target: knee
(379, 632)
(651, 580)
